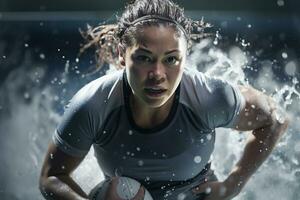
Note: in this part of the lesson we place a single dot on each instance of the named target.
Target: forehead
(160, 38)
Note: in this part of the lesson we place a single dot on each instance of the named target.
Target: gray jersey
(176, 150)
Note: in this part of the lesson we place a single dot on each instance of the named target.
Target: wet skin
(154, 68)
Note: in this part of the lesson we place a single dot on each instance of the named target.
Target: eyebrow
(148, 51)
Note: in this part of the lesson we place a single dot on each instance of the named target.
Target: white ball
(127, 188)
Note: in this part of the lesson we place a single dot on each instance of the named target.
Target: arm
(55, 181)
(268, 123)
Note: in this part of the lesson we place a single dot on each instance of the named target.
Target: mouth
(155, 92)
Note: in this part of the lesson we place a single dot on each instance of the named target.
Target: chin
(155, 103)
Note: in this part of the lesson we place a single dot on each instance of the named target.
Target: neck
(148, 117)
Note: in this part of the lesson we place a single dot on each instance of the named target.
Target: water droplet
(208, 137)
(130, 132)
(280, 115)
(181, 196)
(284, 55)
(197, 159)
(42, 56)
(290, 68)
(140, 163)
(26, 95)
(77, 60)
(138, 149)
(208, 190)
(215, 42)
(56, 98)
(297, 147)
(26, 45)
(244, 43)
(280, 3)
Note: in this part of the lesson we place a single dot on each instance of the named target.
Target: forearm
(61, 187)
(259, 146)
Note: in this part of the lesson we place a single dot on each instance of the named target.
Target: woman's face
(154, 65)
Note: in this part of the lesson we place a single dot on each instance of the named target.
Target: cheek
(136, 77)
(138, 72)
(175, 75)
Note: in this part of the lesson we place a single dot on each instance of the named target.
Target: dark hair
(107, 37)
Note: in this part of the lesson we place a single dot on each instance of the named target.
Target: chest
(178, 151)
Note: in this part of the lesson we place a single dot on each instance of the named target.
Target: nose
(157, 72)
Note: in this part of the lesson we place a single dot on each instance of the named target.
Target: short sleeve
(74, 133)
(222, 103)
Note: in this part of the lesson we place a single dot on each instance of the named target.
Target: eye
(143, 58)
(172, 60)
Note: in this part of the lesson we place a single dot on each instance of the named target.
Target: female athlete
(152, 123)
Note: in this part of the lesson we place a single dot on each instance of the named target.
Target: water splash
(229, 144)
(27, 102)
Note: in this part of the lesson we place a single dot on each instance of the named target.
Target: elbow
(280, 126)
(281, 120)
(43, 185)
(286, 124)
(47, 188)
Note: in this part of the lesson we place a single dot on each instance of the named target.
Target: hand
(214, 190)
(112, 194)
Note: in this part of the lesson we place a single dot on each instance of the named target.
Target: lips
(155, 91)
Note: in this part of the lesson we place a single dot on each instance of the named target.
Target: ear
(121, 52)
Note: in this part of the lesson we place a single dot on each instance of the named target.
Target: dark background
(40, 69)
(96, 5)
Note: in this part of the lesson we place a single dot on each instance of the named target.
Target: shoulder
(209, 86)
(198, 88)
(99, 90)
(94, 101)
(214, 100)
(90, 106)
